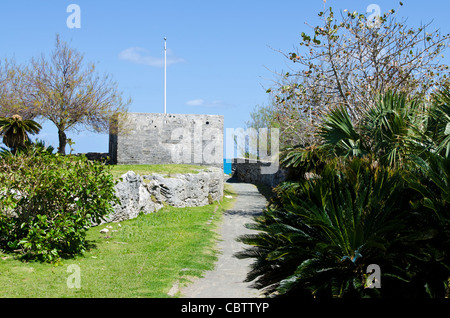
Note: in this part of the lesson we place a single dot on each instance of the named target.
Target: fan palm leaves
(438, 124)
(390, 127)
(340, 135)
(378, 193)
(384, 131)
(387, 131)
(302, 161)
(319, 238)
(15, 131)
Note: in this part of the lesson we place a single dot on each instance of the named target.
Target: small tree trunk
(62, 142)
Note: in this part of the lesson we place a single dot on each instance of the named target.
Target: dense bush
(318, 236)
(48, 201)
(377, 193)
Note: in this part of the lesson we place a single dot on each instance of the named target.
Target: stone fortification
(251, 171)
(147, 138)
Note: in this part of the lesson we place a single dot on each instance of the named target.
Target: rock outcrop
(147, 194)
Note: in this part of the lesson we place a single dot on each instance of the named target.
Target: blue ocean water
(226, 166)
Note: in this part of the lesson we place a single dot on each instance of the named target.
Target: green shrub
(48, 201)
(374, 192)
(318, 236)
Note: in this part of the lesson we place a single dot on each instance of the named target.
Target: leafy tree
(372, 185)
(15, 131)
(348, 61)
(72, 95)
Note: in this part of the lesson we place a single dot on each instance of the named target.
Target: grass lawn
(119, 170)
(144, 258)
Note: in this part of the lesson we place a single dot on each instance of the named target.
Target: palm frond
(339, 133)
(15, 131)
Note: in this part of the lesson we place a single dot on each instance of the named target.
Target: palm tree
(317, 238)
(15, 131)
(340, 136)
(437, 131)
(386, 131)
(379, 194)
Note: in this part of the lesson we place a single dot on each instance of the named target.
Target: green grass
(144, 258)
(171, 169)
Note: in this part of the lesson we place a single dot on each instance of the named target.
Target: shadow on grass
(31, 256)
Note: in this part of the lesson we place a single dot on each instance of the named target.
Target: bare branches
(349, 61)
(62, 89)
(15, 93)
(72, 95)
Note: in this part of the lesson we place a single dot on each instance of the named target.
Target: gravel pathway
(227, 279)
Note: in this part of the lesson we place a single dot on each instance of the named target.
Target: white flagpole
(165, 76)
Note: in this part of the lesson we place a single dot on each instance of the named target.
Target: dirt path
(227, 279)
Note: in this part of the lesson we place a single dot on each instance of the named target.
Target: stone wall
(251, 171)
(147, 194)
(98, 156)
(147, 138)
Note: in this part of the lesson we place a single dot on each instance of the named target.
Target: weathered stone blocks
(148, 138)
(147, 194)
(250, 171)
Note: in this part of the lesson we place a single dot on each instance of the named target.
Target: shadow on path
(227, 279)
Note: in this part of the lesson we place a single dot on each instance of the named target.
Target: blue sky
(221, 54)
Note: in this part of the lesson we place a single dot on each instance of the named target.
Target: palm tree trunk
(62, 142)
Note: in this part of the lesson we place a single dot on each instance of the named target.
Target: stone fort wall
(153, 138)
(250, 171)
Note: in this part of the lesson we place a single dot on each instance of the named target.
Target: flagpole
(165, 76)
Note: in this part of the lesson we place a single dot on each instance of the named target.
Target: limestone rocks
(187, 189)
(148, 194)
(134, 198)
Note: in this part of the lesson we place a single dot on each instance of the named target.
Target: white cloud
(203, 103)
(195, 102)
(141, 56)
